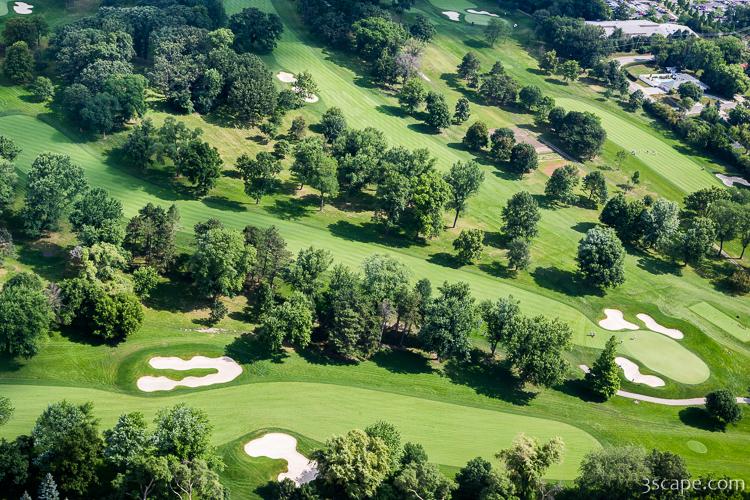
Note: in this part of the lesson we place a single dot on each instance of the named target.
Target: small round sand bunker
(226, 368)
(281, 446)
(614, 320)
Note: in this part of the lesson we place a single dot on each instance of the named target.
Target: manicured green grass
(665, 356)
(456, 413)
(247, 476)
(452, 434)
(718, 318)
(660, 156)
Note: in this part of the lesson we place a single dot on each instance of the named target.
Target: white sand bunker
(452, 15)
(283, 446)
(290, 78)
(22, 8)
(633, 373)
(614, 321)
(226, 368)
(286, 77)
(652, 325)
(481, 13)
(730, 181)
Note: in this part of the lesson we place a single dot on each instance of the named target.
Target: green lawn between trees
(107, 375)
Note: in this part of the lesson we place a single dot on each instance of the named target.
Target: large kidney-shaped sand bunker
(633, 373)
(652, 325)
(284, 447)
(614, 320)
(226, 368)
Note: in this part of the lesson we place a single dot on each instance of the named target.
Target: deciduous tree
(601, 258)
(464, 180)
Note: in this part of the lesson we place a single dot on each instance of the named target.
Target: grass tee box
(723, 321)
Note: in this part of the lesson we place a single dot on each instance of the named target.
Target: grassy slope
(652, 287)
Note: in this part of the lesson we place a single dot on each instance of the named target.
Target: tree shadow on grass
(475, 43)
(317, 355)
(176, 297)
(567, 282)
(356, 202)
(248, 349)
(555, 81)
(495, 239)
(583, 227)
(46, 258)
(390, 110)
(423, 128)
(369, 232)
(445, 259)
(700, 419)
(292, 208)
(657, 266)
(231, 173)
(9, 364)
(224, 203)
(489, 378)
(577, 388)
(402, 361)
(536, 71)
(498, 270)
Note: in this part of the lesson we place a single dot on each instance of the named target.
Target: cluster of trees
(98, 299)
(717, 61)
(194, 55)
(709, 132)
(591, 10)
(373, 463)
(712, 215)
(66, 456)
(572, 38)
(410, 194)
(371, 31)
(22, 36)
(580, 133)
(192, 158)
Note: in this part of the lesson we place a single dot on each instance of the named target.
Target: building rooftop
(641, 27)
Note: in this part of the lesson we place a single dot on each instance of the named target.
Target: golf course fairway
(452, 434)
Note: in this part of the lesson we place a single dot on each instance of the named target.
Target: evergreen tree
(604, 377)
(48, 489)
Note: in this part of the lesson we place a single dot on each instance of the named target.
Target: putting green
(452, 434)
(664, 355)
(456, 5)
(3, 7)
(697, 447)
(480, 19)
(723, 321)
(678, 169)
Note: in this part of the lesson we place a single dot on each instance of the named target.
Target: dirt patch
(551, 166)
(527, 136)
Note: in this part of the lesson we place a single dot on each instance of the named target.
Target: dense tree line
(191, 52)
(371, 31)
(67, 456)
